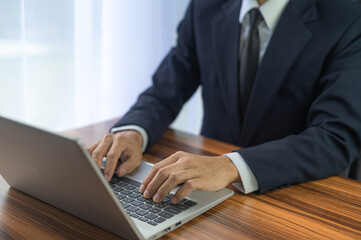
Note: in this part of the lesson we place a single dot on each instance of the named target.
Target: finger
(92, 147)
(187, 188)
(101, 150)
(129, 164)
(171, 159)
(174, 179)
(160, 178)
(112, 158)
(154, 171)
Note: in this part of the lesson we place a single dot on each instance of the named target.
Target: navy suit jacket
(303, 121)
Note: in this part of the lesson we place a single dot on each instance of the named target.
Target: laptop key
(151, 216)
(134, 195)
(130, 181)
(150, 201)
(181, 206)
(141, 212)
(126, 205)
(117, 189)
(161, 205)
(130, 187)
(122, 184)
(154, 210)
(160, 220)
(172, 210)
(121, 196)
(146, 206)
(137, 203)
(165, 214)
(114, 180)
(190, 203)
(134, 215)
(128, 200)
(125, 192)
(132, 209)
(142, 199)
(143, 219)
(152, 223)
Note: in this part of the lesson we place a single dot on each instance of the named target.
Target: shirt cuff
(135, 128)
(249, 182)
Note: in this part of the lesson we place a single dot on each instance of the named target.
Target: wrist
(133, 134)
(232, 170)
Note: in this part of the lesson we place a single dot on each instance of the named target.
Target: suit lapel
(288, 40)
(225, 36)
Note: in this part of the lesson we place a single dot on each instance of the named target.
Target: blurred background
(69, 63)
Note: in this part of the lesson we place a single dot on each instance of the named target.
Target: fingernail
(141, 188)
(147, 194)
(122, 172)
(106, 177)
(156, 197)
(174, 200)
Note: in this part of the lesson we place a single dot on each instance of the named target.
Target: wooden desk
(324, 209)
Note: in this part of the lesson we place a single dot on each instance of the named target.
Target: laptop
(59, 170)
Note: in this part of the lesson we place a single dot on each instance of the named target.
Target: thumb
(128, 166)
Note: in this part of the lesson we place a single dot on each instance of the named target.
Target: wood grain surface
(323, 209)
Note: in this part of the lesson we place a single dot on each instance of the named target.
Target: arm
(332, 139)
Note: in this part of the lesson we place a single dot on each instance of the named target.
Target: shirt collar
(270, 10)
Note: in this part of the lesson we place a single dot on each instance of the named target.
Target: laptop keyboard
(144, 209)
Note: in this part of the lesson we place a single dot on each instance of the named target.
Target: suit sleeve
(332, 139)
(174, 82)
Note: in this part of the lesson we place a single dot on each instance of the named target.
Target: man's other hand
(193, 171)
(126, 145)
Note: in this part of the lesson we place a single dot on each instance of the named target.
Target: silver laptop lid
(53, 168)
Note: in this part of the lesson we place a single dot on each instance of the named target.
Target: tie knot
(255, 17)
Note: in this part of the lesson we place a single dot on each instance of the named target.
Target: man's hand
(126, 145)
(194, 171)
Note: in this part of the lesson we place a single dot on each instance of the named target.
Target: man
(281, 78)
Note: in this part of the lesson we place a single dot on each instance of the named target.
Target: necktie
(249, 55)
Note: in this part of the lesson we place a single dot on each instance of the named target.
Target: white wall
(69, 63)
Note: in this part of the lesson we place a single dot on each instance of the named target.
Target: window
(69, 63)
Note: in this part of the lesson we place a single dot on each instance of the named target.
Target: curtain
(70, 63)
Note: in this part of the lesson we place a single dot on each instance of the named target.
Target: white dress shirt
(271, 12)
